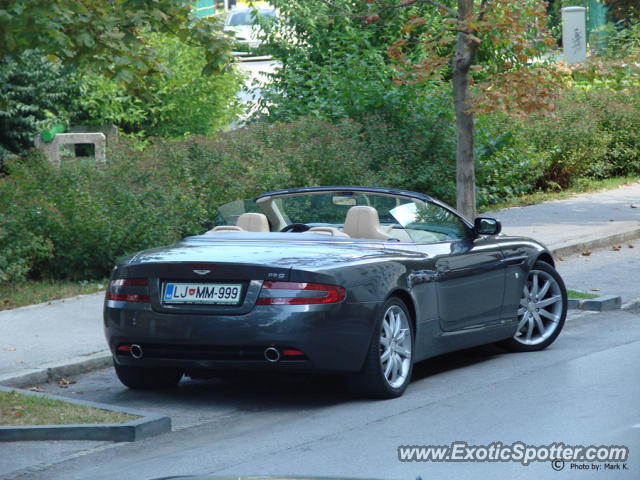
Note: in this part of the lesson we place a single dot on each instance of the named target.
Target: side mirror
(486, 226)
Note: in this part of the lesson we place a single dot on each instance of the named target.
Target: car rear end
(203, 316)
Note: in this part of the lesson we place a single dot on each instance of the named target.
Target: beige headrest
(363, 222)
(253, 222)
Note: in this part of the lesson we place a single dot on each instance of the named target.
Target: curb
(147, 425)
(632, 305)
(599, 304)
(55, 371)
(566, 250)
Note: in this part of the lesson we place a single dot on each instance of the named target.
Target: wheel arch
(546, 258)
(408, 302)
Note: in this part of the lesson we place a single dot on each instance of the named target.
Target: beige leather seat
(253, 222)
(247, 222)
(363, 222)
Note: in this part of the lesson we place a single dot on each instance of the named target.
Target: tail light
(128, 290)
(293, 293)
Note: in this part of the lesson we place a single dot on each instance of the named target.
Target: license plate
(207, 293)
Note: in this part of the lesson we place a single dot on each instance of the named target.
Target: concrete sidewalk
(585, 221)
(62, 338)
(65, 337)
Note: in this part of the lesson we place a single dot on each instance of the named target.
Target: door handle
(519, 260)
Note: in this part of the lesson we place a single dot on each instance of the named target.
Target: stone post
(574, 34)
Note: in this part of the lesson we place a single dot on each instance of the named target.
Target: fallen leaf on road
(560, 259)
(595, 289)
(35, 389)
(64, 383)
(630, 246)
(616, 248)
(586, 253)
(633, 206)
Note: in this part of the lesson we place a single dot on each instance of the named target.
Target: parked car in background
(242, 22)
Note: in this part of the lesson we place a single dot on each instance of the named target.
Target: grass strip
(17, 409)
(13, 295)
(579, 294)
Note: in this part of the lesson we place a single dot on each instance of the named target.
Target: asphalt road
(583, 390)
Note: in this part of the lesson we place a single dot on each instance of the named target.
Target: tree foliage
(489, 50)
(508, 40)
(34, 93)
(108, 34)
(173, 103)
(331, 66)
(623, 11)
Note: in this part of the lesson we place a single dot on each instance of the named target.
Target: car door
(469, 270)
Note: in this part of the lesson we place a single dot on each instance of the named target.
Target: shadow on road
(195, 401)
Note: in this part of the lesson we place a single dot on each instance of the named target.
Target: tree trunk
(461, 79)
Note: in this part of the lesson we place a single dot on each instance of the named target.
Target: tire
(389, 361)
(542, 311)
(146, 378)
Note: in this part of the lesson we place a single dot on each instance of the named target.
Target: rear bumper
(333, 338)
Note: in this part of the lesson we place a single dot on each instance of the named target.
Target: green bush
(507, 164)
(76, 220)
(174, 103)
(595, 133)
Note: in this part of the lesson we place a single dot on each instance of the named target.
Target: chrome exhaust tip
(136, 350)
(272, 354)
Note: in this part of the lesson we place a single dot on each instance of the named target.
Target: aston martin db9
(359, 281)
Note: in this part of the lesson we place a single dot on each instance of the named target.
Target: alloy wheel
(541, 308)
(395, 346)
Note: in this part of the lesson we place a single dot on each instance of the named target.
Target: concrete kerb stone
(599, 304)
(58, 370)
(147, 425)
(606, 302)
(631, 304)
(603, 303)
(578, 247)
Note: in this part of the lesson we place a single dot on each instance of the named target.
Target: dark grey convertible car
(361, 281)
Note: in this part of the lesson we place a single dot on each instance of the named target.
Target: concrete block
(52, 149)
(604, 303)
(574, 303)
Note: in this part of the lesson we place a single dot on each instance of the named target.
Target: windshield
(331, 208)
(340, 213)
